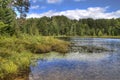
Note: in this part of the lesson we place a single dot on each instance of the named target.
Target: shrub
(9, 67)
(22, 60)
(62, 48)
(4, 52)
(8, 70)
(42, 48)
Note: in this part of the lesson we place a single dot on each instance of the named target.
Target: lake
(88, 59)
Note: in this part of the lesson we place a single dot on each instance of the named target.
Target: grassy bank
(102, 37)
(16, 53)
(116, 37)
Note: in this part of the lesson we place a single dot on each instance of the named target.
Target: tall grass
(16, 52)
(11, 65)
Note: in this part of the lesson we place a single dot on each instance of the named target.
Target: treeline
(61, 25)
(58, 25)
(51, 26)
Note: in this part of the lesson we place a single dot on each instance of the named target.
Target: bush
(42, 48)
(48, 44)
(62, 48)
(9, 67)
(8, 70)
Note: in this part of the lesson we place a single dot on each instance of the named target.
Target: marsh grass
(16, 53)
(12, 65)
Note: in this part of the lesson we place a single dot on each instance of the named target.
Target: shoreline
(16, 53)
(115, 37)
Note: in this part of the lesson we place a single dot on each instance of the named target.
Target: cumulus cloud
(92, 12)
(54, 1)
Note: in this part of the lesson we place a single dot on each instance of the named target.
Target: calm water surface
(80, 65)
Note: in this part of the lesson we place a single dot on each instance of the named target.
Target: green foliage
(16, 52)
(35, 44)
(62, 48)
(16, 49)
(2, 25)
(9, 67)
(7, 20)
(8, 15)
(61, 25)
(22, 60)
(100, 33)
(41, 44)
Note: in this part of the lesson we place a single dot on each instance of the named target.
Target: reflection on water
(81, 65)
(86, 57)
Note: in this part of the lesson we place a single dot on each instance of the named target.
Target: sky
(75, 9)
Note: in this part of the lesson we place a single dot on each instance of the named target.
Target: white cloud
(92, 12)
(54, 1)
(35, 7)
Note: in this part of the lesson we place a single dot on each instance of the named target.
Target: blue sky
(75, 9)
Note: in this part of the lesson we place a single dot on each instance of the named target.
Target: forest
(52, 26)
(61, 25)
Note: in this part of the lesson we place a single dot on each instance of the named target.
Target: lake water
(101, 62)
